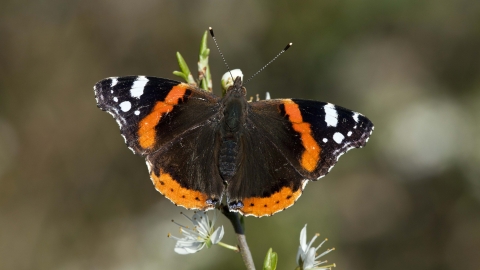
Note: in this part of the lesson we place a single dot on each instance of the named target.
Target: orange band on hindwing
(146, 129)
(267, 206)
(188, 198)
(311, 155)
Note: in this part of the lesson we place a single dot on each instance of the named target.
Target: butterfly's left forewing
(153, 111)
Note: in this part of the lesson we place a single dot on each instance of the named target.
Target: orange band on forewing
(291, 108)
(179, 195)
(146, 129)
(176, 93)
(270, 205)
(311, 155)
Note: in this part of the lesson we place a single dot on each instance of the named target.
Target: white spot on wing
(325, 140)
(125, 106)
(349, 133)
(338, 137)
(355, 116)
(138, 87)
(115, 99)
(331, 115)
(342, 150)
(114, 82)
(137, 112)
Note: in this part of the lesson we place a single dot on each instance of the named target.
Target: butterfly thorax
(232, 123)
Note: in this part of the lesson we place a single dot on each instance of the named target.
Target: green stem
(204, 76)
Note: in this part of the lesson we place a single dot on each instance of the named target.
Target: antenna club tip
(211, 31)
(288, 46)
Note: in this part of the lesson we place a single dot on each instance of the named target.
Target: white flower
(306, 255)
(229, 77)
(202, 234)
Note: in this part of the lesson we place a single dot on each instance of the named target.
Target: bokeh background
(72, 196)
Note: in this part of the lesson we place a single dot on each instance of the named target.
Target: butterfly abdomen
(227, 159)
(234, 114)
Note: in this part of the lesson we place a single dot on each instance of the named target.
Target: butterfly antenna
(221, 54)
(286, 48)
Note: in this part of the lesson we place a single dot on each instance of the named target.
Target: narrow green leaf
(187, 76)
(183, 65)
(271, 260)
(181, 75)
(204, 51)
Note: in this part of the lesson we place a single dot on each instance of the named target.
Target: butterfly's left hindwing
(185, 170)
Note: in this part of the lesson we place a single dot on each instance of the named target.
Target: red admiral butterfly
(199, 147)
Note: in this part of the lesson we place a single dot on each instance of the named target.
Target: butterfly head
(237, 88)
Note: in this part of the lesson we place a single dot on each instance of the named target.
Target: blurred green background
(72, 196)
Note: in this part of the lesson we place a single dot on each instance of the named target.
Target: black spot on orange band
(268, 206)
(188, 198)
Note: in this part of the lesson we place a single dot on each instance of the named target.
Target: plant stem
(242, 240)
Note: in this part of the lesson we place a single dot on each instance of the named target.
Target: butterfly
(199, 147)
